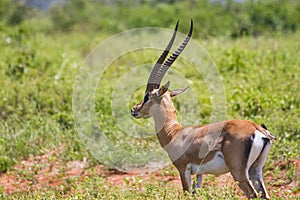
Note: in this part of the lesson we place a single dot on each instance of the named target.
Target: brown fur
(198, 145)
(183, 144)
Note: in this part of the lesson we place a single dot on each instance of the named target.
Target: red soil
(47, 171)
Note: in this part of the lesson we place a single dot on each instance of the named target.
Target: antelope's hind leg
(244, 183)
(255, 171)
(236, 156)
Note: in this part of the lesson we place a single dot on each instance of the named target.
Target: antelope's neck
(166, 123)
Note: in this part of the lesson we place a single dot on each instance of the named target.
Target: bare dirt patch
(48, 171)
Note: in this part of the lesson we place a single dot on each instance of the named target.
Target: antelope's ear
(178, 91)
(163, 89)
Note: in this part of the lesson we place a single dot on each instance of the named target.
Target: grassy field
(261, 79)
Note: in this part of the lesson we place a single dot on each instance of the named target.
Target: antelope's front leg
(185, 176)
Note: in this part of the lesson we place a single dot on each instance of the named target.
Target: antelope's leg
(256, 174)
(197, 183)
(185, 177)
(241, 176)
(236, 155)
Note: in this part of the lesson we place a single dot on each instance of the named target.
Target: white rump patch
(255, 150)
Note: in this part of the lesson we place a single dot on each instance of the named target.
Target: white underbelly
(215, 166)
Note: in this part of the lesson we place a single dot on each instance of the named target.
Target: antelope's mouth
(134, 113)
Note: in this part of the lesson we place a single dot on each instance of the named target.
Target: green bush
(211, 18)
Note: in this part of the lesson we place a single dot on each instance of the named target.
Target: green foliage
(278, 16)
(41, 55)
(22, 64)
(212, 18)
(13, 12)
(68, 15)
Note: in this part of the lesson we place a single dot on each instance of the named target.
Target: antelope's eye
(146, 98)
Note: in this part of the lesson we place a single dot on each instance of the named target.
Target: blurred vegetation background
(212, 17)
(254, 43)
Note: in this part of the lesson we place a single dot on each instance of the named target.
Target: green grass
(261, 78)
(97, 188)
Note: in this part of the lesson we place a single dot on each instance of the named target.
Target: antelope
(240, 147)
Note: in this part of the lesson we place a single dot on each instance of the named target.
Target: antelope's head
(154, 93)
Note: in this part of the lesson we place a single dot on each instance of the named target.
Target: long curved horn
(167, 64)
(152, 82)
